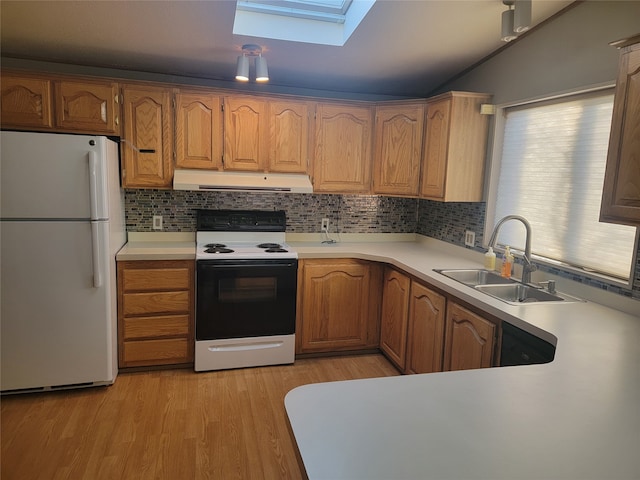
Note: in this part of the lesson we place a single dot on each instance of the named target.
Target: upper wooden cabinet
(198, 130)
(89, 107)
(338, 305)
(469, 339)
(147, 141)
(83, 106)
(425, 330)
(621, 191)
(394, 316)
(398, 149)
(455, 148)
(289, 128)
(342, 160)
(26, 102)
(245, 133)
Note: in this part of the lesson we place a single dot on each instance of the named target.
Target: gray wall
(569, 52)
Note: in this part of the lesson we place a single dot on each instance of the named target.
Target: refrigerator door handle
(96, 252)
(93, 185)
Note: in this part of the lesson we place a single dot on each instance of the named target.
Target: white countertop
(577, 417)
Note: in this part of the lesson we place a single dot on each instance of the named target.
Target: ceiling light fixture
(507, 23)
(242, 69)
(516, 20)
(522, 16)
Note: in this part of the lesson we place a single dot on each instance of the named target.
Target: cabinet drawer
(152, 352)
(148, 279)
(162, 326)
(156, 302)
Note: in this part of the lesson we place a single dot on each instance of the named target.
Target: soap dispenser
(490, 259)
(507, 262)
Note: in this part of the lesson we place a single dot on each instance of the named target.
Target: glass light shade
(262, 72)
(242, 70)
(507, 26)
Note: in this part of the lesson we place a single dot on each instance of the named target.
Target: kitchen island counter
(577, 417)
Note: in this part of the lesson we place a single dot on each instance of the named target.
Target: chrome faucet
(528, 267)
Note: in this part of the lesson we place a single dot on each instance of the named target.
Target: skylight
(326, 22)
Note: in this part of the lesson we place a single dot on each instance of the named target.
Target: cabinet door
(88, 107)
(26, 102)
(338, 305)
(147, 145)
(455, 148)
(288, 136)
(398, 149)
(436, 148)
(469, 340)
(245, 134)
(394, 316)
(198, 130)
(426, 330)
(621, 191)
(342, 160)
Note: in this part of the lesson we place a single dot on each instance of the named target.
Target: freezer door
(49, 176)
(57, 328)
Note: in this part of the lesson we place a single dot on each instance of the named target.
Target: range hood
(213, 181)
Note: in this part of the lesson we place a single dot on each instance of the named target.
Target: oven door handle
(242, 347)
(248, 265)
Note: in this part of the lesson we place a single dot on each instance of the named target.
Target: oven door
(245, 298)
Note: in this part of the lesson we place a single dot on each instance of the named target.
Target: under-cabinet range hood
(209, 180)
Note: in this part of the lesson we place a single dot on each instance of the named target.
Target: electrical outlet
(469, 238)
(324, 226)
(157, 222)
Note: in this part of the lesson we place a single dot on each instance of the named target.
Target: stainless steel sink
(519, 293)
(473, 277)
(508, 290)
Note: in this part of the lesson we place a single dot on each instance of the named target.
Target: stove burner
(215, 245)
(218, 250)
(271, 246)
(276, 250)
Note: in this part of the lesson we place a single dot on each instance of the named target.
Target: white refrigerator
(61, 225)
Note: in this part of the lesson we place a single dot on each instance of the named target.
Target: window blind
(551, 173)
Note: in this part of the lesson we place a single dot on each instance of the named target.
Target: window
(551, 172)
(325, 22)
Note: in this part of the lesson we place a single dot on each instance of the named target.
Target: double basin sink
(505, 289)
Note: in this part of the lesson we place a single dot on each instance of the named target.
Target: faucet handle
(551, 285)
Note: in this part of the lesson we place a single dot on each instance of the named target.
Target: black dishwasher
(522, 348)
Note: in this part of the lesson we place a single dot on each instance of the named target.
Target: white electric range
(245, 290)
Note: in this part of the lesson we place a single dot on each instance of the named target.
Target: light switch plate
(157, 222)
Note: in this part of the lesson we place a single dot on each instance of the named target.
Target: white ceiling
(402, 47)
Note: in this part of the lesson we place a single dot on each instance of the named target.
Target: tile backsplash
(347, 214)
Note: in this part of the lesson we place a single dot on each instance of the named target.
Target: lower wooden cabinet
(411, 324)
(425, 330)
(469, 339)
(338, 305)
(421, 331)
(395, 316)
(155, 312)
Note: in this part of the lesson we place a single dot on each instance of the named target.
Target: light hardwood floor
(172, 424)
